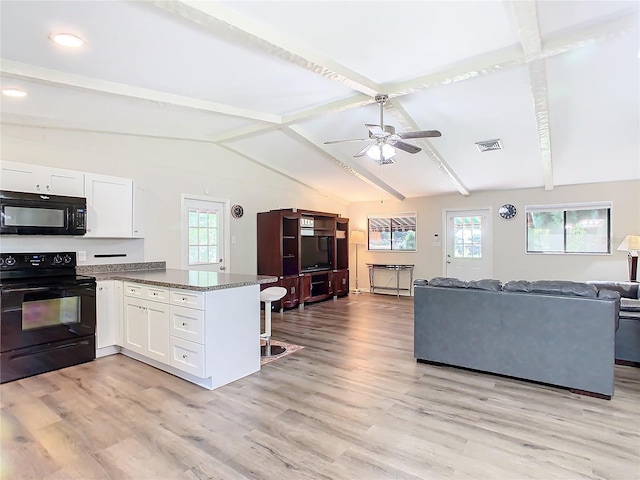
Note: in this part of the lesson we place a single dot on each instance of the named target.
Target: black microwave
(38, 214)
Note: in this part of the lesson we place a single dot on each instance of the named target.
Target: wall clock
(507, 211)
(237, 211)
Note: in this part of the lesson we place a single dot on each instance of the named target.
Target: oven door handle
(26, 289)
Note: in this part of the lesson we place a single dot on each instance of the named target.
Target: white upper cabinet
(138, 212)
(109, 206)
(22, 177)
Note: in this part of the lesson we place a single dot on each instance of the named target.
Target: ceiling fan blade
(349, 140)
(407, 147)
(420, 134)
(363, 152)
(375, 129)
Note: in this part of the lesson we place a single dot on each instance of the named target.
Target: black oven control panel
(35, 261)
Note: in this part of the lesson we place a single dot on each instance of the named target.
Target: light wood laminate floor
(353, 404)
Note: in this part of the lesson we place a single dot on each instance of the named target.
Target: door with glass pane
(469, 244)
(204, 234)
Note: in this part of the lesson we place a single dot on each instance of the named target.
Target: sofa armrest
(615, 296)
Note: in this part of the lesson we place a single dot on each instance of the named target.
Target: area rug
(290, 349)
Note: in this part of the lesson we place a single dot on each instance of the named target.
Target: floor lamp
(631, 244)
(357, 238)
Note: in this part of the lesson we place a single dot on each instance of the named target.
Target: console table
(397, 269)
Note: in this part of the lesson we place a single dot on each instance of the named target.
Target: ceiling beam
(337, 106)
(525, 15)
(566, 41)
(298, 133)
(47, 76)
(278, 172)
(242, 31)
(408, 124)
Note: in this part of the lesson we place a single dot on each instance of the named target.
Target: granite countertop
(185, 279)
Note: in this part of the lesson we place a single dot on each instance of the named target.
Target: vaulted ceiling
(556, 81)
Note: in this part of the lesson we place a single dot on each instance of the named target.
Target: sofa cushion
(420, 282)
(625, 289)
(447, 282)
(564, 287)
(485, 284)
(521, 286)
(629, 305)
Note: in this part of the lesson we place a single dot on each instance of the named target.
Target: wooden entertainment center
(308, 251)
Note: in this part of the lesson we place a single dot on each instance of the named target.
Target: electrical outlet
(82, 256)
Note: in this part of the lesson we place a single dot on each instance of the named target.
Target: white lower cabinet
(108, 317)
(187, 332)
(146, 326)
(208, 338)
(187, 356)
(187, 323)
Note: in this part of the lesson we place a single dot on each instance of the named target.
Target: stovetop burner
(37, 269)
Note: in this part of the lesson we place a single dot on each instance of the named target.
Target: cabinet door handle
(184, 356)
(184, 324)
(293, 290)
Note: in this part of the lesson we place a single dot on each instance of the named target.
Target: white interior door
(205, 234)
(469, 244)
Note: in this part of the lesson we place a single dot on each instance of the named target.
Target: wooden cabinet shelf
(308, 251)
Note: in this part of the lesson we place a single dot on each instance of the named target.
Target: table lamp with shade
(631, 244)
(357, 238)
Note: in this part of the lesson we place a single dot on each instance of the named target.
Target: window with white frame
(572, 228)
(203, 225)
(203, 236)
(392, 232)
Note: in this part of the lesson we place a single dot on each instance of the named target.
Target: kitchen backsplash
(120, 267)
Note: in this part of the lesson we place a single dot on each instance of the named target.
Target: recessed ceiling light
(14, 92)
(67, 40)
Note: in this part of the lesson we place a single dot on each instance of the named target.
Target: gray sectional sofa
(559, 333)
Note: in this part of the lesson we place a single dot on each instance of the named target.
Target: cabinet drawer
(146, 292)
(187, 323)
(134, 290)
(157, 294)
(186, 356)
(187, 298)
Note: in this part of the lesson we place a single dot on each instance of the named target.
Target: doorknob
(448, 261)
(448, 256)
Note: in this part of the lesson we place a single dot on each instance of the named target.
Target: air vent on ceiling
(384, 161)
(489, 145)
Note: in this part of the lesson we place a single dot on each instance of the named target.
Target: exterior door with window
(204, 242)
(469, 244)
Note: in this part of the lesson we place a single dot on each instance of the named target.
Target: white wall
(165, 169)
(509, 258)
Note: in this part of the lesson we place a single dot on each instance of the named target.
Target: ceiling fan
(386, 139)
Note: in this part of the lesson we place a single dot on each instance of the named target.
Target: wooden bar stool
(268, 295)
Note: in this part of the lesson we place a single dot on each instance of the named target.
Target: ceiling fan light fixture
(385, 152)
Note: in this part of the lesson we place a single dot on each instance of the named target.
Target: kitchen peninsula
(201, 326)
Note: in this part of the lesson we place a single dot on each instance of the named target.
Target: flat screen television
(316, 253)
